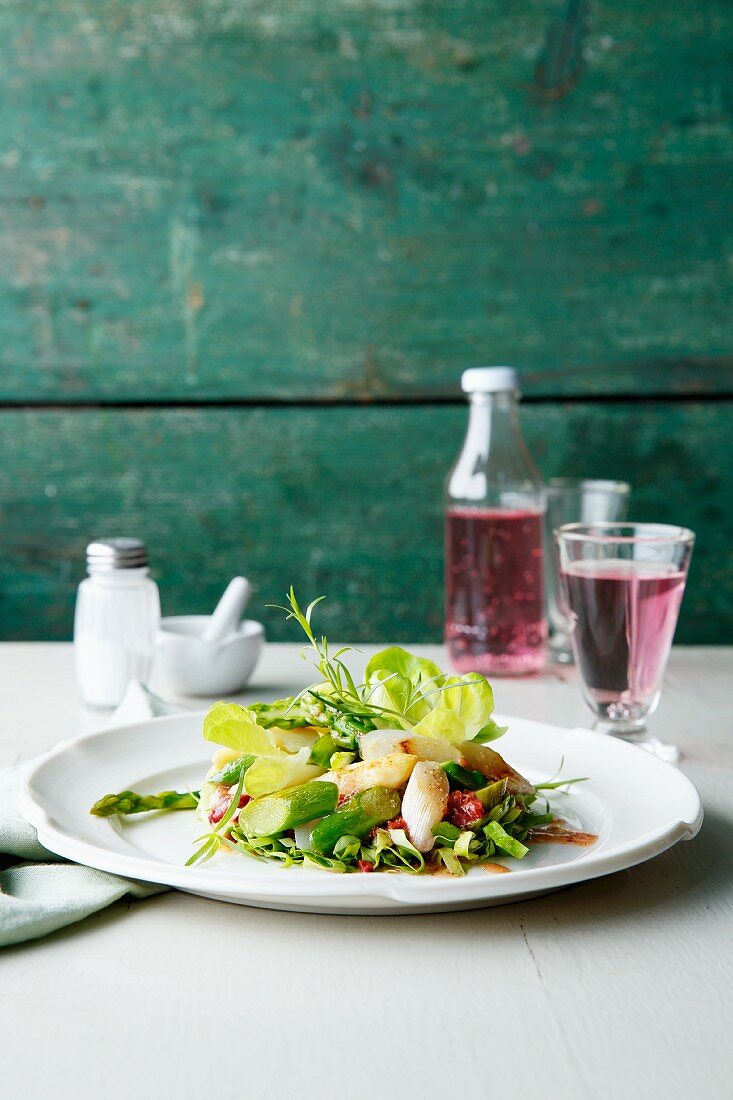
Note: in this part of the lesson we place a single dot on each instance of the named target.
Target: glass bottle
(116, 621)
(495, 618)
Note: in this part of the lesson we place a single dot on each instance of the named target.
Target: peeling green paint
(278, 201)
(341, 501)
(298, 197)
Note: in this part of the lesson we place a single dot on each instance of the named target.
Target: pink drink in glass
(623, 616)
(494, 604)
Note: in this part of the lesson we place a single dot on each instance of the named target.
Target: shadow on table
(686, 881)
(689, 877)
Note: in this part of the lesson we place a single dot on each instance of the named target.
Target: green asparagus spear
(462, 777)
(283, 713)
(231, 773)
(353, 724)
(372, 807)
(129, 802)
(347, 730)
(275, 813)
(323, 750)
(492, 795)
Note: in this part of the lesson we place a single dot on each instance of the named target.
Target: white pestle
(228, 613)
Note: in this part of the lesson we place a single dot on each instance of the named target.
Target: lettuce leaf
(391, 691)
(272, 773)
(471, 698)
(461, 711)
(396, 679)
(503, 840)
(395, 659)
(236, 727)
(444, 724)
(456, 708)
(490, 732)
(291, 740)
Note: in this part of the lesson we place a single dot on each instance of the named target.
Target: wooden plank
(307, 197)
(345, 502)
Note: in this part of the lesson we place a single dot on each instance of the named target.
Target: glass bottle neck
(493, 420)
(494, 468)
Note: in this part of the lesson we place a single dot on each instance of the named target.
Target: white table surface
(619, 987)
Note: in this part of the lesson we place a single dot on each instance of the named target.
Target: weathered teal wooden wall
(247, 247)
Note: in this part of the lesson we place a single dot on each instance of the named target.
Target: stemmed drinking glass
(622, 586)
(575, 500)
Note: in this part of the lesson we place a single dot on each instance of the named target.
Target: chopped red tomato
(221, 807)
(364, 865)
(463, 809)
(395, 823)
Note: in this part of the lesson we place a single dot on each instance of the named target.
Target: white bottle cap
(489, 380)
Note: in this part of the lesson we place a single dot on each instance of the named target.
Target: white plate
(636, 804)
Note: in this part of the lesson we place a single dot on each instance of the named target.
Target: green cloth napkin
(40, 896)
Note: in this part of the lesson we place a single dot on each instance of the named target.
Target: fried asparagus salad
(391, 774)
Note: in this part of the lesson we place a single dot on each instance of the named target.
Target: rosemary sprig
(560, 783)
(342, 697)
(554, 783)
(215, 840)
(345, 697)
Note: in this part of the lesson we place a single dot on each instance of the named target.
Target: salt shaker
(116, 621)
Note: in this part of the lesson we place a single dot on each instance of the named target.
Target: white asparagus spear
(494, 767)
(379, 742)
(425, 803)
(302, 835)
(392, 770)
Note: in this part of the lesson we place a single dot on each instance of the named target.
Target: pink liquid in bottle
(624, 615)
(494, 609)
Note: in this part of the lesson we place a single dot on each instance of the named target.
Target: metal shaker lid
(105, 555)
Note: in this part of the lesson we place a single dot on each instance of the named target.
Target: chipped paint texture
(341, 501)
(237, 198)
(275, 201)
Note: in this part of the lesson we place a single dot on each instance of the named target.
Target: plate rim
(401, 891)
